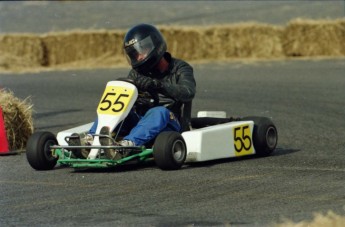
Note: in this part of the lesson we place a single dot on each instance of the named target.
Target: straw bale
(248, 40)
(103, 48)
(82, 46)
(314, 38)
(183, 42)
(18, 119)
(20, 51)
(329, 219)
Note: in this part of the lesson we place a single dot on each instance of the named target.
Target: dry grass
(329, 220)
(18, 119)
(90, 49)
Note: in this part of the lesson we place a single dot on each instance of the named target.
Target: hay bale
(329, 219)
(89, 49)
(21, 51)
(78, 47)
(314, 38)
(248, 40)
(18, 119)
(183, 42)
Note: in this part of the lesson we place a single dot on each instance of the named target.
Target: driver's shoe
(110, 153)
(82, 139)
(126, 143)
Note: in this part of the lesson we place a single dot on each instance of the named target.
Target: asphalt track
(305, 175)
(52, 16)
(304, 98)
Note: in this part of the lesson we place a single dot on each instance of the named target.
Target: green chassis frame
(64, 156)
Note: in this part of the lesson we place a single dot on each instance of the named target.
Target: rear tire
(265, 135)
(169, 150)
(38, 152)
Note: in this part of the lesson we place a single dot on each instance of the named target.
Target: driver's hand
(145, 83)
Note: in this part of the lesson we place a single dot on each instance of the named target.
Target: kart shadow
(276, 153)
(120, 168)
(284, 151)
(150, 164)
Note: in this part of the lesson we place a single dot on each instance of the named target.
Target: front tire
(169, 150)
(265, 135)
(38, 152)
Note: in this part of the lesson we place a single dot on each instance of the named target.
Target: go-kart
(209, 136)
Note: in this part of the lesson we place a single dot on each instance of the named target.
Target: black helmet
(144, 46)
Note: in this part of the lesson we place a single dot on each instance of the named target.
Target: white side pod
(220, 141)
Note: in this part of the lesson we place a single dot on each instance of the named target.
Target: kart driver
(153, 69)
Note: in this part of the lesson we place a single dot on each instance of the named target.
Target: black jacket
(178, 84)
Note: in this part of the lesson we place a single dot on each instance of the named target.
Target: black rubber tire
(169, 150)
(265, 135)
(38, 151)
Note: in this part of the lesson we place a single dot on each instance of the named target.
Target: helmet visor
(139, 51)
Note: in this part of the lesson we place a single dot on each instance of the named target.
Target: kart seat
(188, 123)
(201, 122)
(185, 118)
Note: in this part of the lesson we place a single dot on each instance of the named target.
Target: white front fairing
(116, 103)
(80, 129)
(220, 141)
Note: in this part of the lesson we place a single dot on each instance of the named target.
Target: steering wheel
(145, 99)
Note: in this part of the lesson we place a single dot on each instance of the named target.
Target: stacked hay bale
(248, 40)
(86, 48)
(90, 49)
(308, 38)
(21, 51)
(18, 119)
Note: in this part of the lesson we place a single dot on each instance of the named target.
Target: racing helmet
(144, 46)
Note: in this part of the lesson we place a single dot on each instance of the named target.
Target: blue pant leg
(128, 123)
(156, 120)
(94, 127)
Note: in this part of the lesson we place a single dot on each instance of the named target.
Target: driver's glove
(145, 83)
